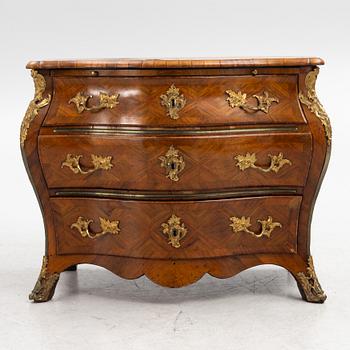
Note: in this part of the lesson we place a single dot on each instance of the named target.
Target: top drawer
(175, 101)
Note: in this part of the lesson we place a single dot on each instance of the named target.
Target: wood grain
(180, 273)
(176, 63)
(320, 158)
(209, 161)
(207, 222)
(206, 104)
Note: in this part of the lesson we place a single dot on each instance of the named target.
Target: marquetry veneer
(176, 168)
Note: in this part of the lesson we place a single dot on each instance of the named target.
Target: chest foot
(45, 286)
(309, 286)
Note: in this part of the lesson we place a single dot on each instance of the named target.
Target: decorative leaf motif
(173, 102)
(35, 104)
(239, 99)
(175, 230)
(80, 101)
(265, 102)
(82, 225)
(173, 163)
(242, 225)
(236, 99)
(310, 284)
(107, 226)
(267, 226)
(98, 162)
(277, 162)
(105, 101)
(249, 160)
(314, 105)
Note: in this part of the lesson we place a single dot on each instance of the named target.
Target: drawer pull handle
(175, 230)
(239, 99)
(98, 162)
(82, 225)
(242, 225)
(173, 102)
(105, 101)
(173, 163)
(248, 161)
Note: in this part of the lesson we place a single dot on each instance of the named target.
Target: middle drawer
(175, 163)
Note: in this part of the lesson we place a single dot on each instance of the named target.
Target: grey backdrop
(106, 29)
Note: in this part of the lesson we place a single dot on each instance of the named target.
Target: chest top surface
(176, 63)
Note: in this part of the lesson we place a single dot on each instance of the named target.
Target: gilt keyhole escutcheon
(173, 163)
(173, 101)
(175, 230)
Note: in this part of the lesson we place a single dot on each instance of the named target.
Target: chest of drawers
(176, 168)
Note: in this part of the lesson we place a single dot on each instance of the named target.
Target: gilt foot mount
(309, 285)
(44, 288)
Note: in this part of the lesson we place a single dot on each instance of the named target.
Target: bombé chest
(176, 168)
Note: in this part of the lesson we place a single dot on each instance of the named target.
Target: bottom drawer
(176, 230)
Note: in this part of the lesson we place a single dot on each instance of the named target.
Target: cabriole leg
(309, 287)
(46, 284)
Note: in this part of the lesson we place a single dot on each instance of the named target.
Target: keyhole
(172, 166)
(173, 103)
(174, 232)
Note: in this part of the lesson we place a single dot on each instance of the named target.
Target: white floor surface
(92, 309)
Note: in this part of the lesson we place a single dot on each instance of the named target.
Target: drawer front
(176, 229)
(175, 163)
(191, 101)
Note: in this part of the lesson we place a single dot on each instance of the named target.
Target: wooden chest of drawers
(176, 168)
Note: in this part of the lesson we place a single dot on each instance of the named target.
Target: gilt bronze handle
(248, 161)
(98, 162)
(242, 225)
(107, 226)
(105, 101)
(239, 99)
